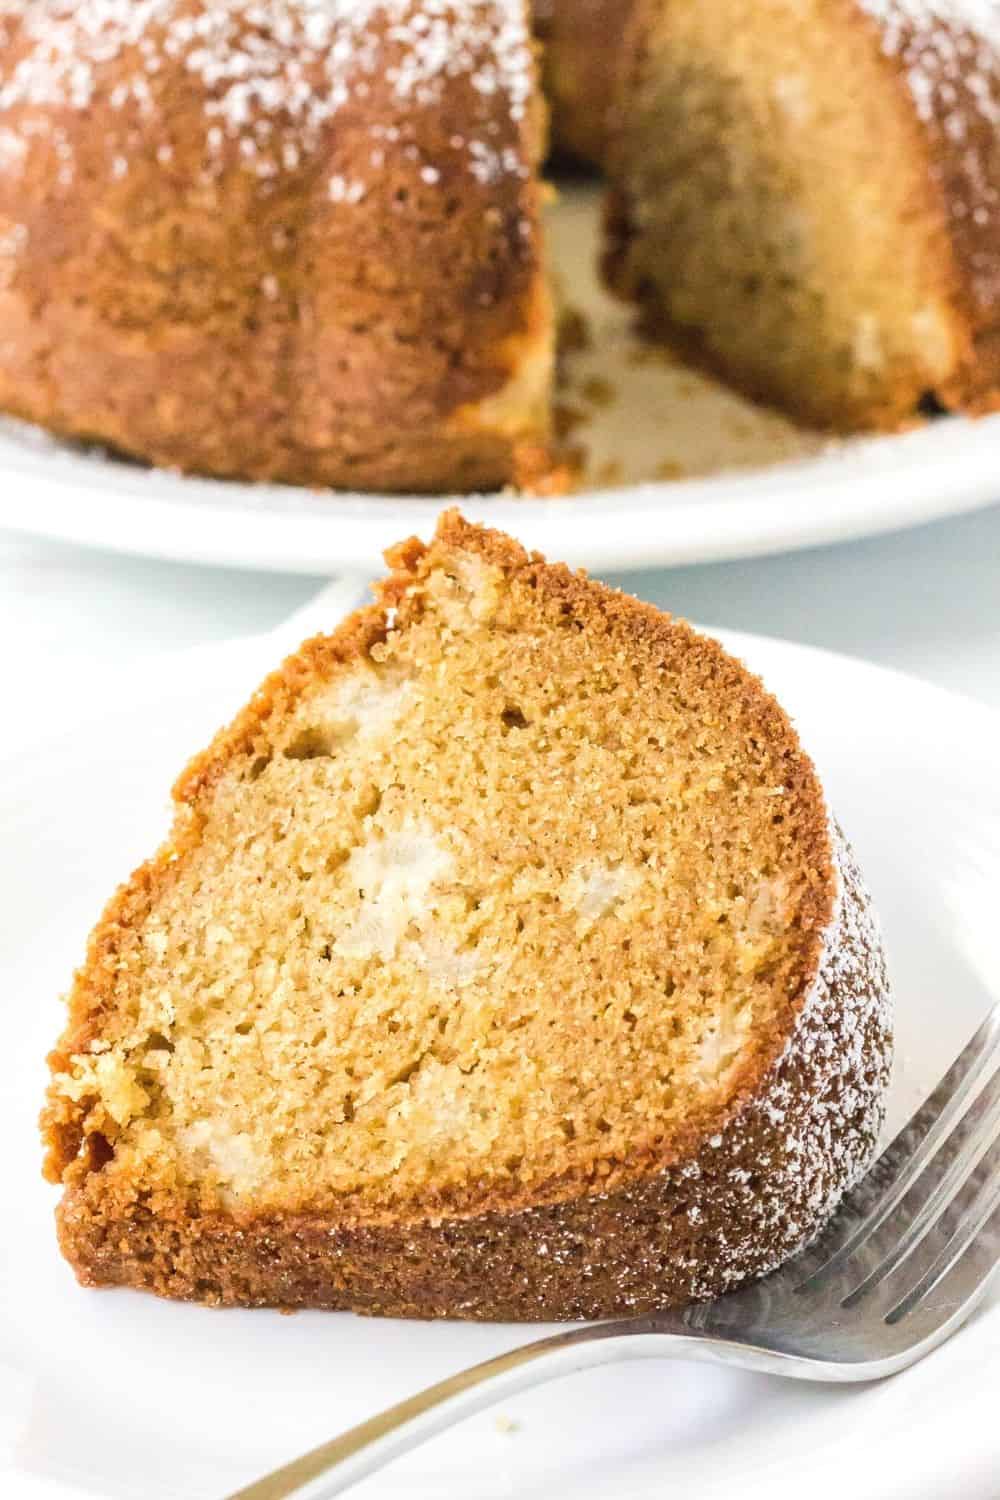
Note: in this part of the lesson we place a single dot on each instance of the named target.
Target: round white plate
(752, 484)
(117, 1396)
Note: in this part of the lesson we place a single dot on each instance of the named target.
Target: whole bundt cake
(278, 239)
(300, 239)
(502, 962)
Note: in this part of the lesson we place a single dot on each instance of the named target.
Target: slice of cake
(502, 962)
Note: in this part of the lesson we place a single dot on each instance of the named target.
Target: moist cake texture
(805, 196)
(502, 962)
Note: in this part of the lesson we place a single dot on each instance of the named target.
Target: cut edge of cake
(99, 1218)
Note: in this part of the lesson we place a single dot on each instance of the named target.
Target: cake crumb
(669, 468)
(574, 333)
(567, 419)
(611, 472)
(599, 391)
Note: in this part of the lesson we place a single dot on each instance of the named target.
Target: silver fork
(895, 1273)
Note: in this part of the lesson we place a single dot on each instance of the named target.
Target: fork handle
(333, 1467)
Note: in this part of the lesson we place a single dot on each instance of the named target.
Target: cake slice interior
(774, 211)
(509, 889)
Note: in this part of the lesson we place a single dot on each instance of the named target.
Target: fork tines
(930, 1199)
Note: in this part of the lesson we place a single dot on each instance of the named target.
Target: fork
(899, 1268)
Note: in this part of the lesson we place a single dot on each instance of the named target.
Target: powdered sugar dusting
(933, 19)
(758, 1191)
(847, 1008)
(813, 1131)
(950, 53)
(297, 62)
(755, 1194)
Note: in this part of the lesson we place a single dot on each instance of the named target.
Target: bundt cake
(502, 962)
(301, 240)
(295, 240)
(805, 194)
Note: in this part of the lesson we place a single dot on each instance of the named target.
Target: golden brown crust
(216, 282)
(143, 1234)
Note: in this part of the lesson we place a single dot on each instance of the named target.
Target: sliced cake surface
(805, 197)
(502, 961)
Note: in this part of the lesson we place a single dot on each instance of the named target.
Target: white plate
(754, 483)
(118, 1396)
